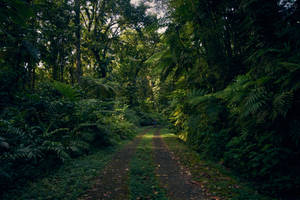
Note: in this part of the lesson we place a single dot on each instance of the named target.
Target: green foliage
(206, 127)
(52, 126)
(228, 84)
(96, 89)
(66, 91)
(68, 182)
(247, 126)
(147, 118)
(131, 116)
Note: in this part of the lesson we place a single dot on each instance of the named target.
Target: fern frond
(83, 125)
(66, 90)
(22, 153)
(47, 134)
(281, 104)
(77, 146)
(57, 148)
(97, 88)
(255, 101)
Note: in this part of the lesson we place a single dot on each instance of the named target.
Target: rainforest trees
(229, 81)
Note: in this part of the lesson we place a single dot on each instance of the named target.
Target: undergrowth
(70, 181)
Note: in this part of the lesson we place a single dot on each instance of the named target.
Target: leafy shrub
(131, 116)
(206, 126)
(149, 118)
(42, 130)
(251, 126)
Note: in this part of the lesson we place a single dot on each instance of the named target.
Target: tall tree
(78, 39)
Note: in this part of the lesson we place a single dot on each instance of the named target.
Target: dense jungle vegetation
(79, 75)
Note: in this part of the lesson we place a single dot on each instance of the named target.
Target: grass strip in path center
(112, 184)
(143, 182)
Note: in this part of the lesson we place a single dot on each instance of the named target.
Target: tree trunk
(33, 79)
(71, 74)
(78, 52)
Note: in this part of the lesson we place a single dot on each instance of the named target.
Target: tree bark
(77, 33)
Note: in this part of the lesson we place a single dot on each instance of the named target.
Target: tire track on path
(174, 179)
(112, 184)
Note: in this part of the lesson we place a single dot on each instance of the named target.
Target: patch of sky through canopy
(156, 7)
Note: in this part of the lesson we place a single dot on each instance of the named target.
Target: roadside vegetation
(70, 181)
(216, 181)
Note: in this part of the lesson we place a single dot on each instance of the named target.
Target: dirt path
(174, 179)
(113, 182)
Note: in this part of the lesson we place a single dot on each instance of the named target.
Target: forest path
(144, 169)
(176, 180)
(112, 183)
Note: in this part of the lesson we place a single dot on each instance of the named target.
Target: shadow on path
(176, 181)
(112, 184)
